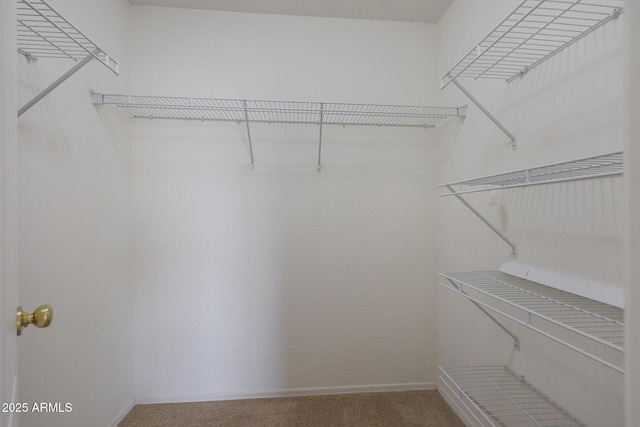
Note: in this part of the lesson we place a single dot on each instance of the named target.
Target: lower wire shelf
(589, 327)
(496, 396)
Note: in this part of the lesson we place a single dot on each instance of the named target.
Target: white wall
(75, 231)
(284, 280)
(281, 280)
(569, 107)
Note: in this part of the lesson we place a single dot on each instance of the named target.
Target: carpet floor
(396, 409)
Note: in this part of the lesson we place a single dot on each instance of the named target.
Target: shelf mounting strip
(263, 111)
(44, 33)
(533, 32)
(600, 166)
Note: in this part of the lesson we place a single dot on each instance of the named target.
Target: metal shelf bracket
(512, 137)
(514, 250)
(246, 120)
(319, 168)
(460, 289)
(44, 33)
(55, 84)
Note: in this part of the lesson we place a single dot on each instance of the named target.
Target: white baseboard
(123, 413)
(206, 397)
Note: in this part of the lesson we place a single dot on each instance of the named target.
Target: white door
(8, 216)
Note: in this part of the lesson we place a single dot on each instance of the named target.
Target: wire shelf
(263, 111)
(597, 321)
(586, 168)
(496, 396)
(44, 33)
(534, 31)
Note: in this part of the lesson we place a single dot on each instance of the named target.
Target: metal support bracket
(246, 121)
(460, 289)
(57, 83)
(320, 138)
(512, 137)
(514, 251)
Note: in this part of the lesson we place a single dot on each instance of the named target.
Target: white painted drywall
(75, 231)
(281, 280)
(571, 106)
(632, 158)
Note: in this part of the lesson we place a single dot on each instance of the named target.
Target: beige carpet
(411, 408)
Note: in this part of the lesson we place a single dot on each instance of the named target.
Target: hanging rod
(44, 33)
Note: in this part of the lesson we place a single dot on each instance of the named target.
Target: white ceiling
(386, 10)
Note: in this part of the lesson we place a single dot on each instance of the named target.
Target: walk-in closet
(367, 213)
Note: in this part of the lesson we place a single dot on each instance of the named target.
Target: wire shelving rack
(599, 166)
(44, 33)
(274, 111)
(544, 309)
(496, 396)
(532, 33)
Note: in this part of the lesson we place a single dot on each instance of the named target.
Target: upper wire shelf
(496, 396)
(534, 31)
(182, 108)
(610, 164)
(44, 33)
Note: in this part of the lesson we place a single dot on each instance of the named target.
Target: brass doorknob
(41, 317)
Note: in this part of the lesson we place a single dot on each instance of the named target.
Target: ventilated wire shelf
(599, 322)
(278, 111)
(496, 396)
(590, 167)
(44, 33)
(533, 32)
